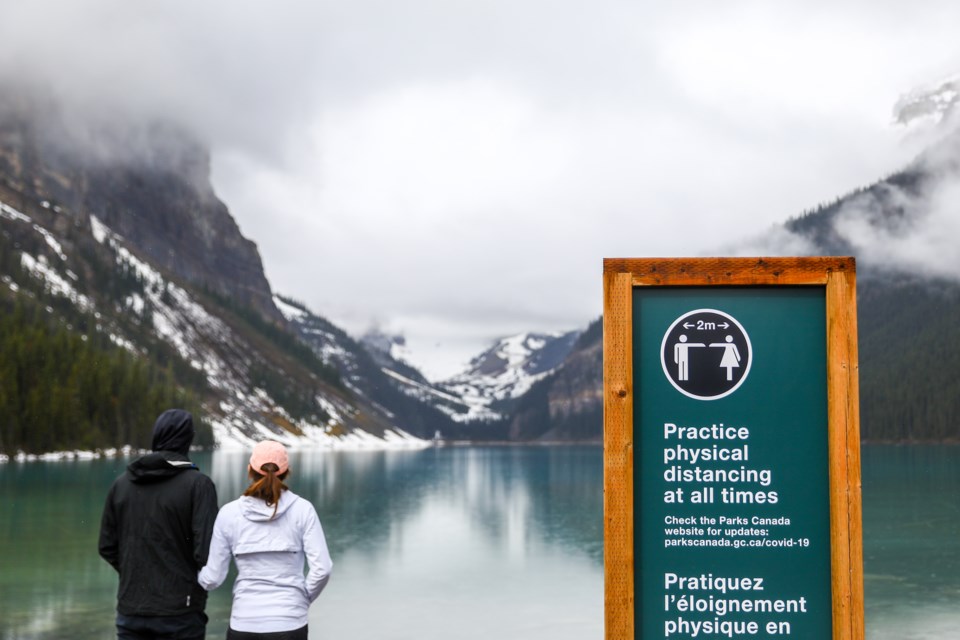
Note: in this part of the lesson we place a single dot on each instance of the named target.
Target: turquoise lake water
(460, 542)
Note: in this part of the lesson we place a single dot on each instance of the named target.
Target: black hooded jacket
(157, 523)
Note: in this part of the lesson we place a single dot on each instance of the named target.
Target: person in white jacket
(270, 532)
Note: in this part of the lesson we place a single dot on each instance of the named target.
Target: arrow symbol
(687, 325)
(725, 325)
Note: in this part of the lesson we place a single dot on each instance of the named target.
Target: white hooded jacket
(271, 592)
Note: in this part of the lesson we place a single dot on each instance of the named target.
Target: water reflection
(52, 578)
(457, 542)
(515, 495)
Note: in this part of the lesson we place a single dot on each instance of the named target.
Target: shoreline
(127, 451)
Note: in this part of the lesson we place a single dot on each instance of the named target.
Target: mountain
(496, 378)
(478, 399)
(567, 404)
(127, 288)
(366, 373)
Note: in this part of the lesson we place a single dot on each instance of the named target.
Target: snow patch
(120, 341)
(135, 303)
(930, 103)
(400, 352)
(99, 230)
(233, 434)
(425, 388)
(331, 410)
(51, 241)
(289, 311)
(6, 211)
(54, 282)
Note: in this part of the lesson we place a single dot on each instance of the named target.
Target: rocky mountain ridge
(488, 389)
(148, 182)
(495, 379)
(251, 383)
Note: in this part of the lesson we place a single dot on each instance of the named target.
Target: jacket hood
(173, 431)
(257, 510)
(158, 466)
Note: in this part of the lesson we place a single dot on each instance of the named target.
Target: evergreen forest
(909, 361)
(66, 391)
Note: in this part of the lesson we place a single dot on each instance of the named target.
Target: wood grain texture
(618, 552)
(728, 271)
(843, 402)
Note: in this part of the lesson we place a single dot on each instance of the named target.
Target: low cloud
(899, 229)
(778, 241)
(233, 74)
(909, 222)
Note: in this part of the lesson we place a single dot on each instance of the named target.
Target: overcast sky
(457, 171)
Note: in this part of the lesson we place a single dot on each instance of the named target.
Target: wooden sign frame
(838, 276)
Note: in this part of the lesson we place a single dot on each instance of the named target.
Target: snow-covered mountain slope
(494, 379)
(488, 388)
(243, 403)
(391, 386)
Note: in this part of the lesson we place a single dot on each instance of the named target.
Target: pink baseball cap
(269, 451)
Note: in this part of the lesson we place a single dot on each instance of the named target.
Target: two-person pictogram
(706, 354)
(681, 356)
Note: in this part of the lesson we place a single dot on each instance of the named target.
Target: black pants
(296, 634)
(189, 626)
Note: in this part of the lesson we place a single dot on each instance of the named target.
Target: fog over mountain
(910, 224)
(456, 173)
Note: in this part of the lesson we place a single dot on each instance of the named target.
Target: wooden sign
(731, 449)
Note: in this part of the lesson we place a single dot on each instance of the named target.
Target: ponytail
(267, 485)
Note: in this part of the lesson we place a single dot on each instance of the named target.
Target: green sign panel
(731, 477)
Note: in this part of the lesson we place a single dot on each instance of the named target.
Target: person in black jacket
(155, 531)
